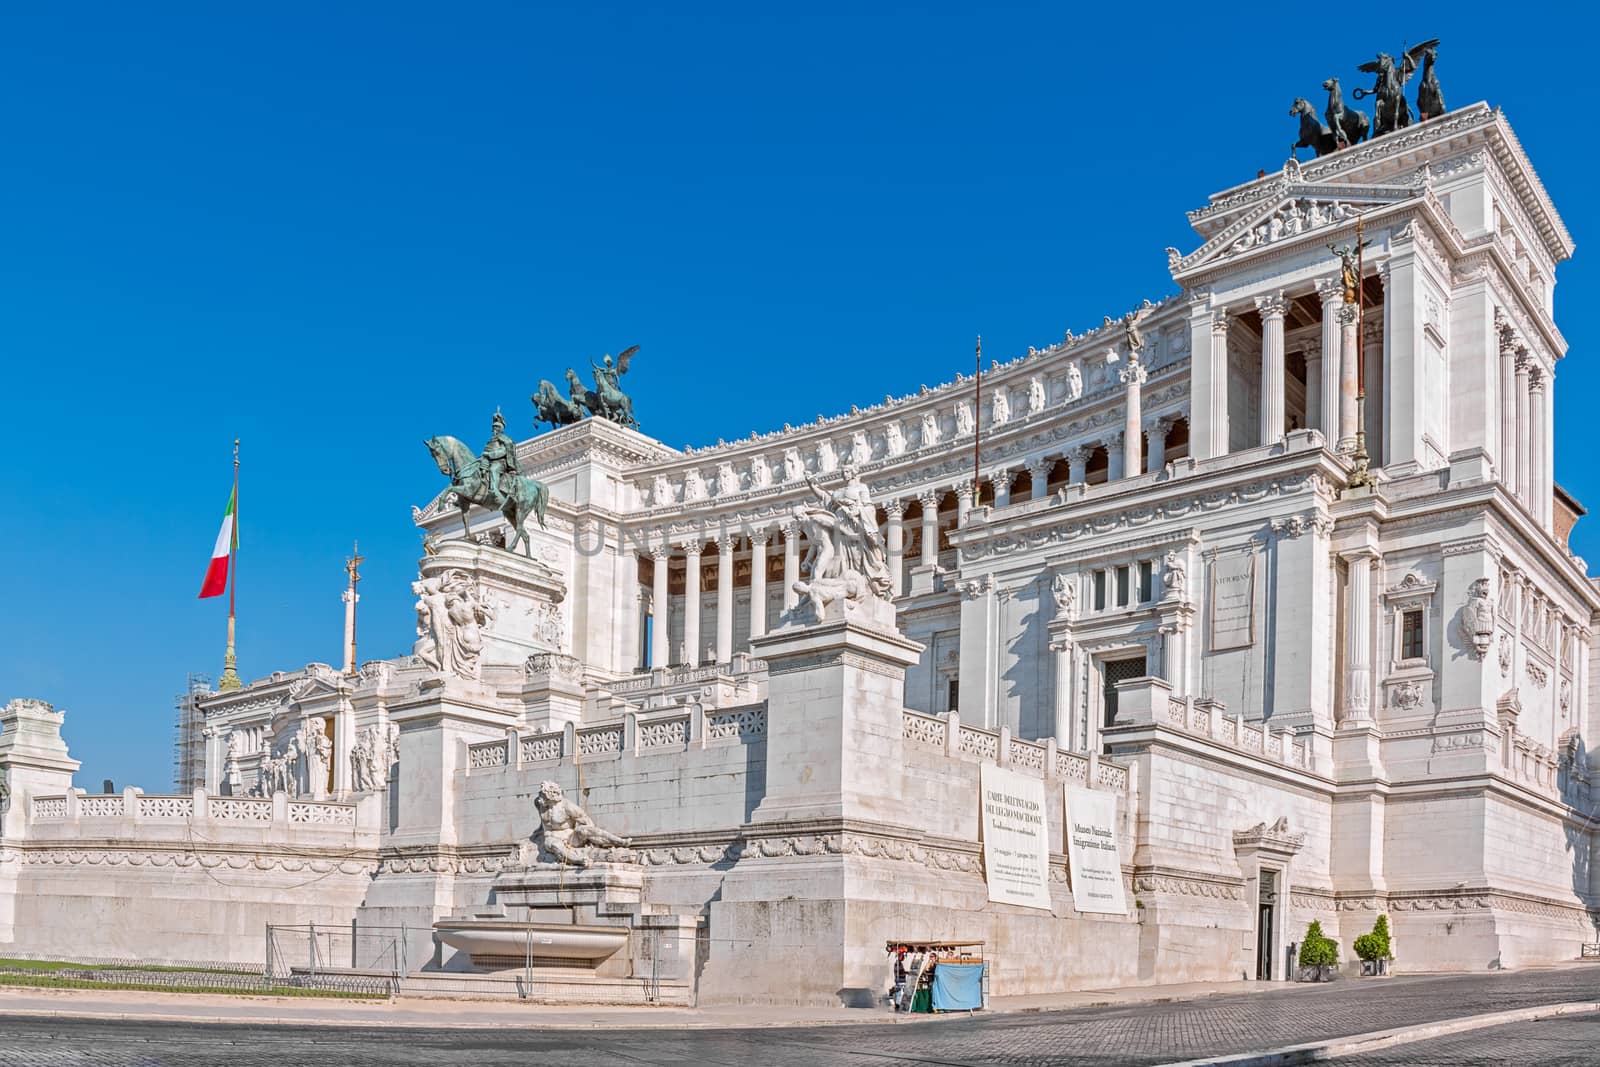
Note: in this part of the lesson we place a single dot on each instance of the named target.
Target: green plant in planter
(1317, 949)
(1375, 946)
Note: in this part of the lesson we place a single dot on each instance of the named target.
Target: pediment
(1298, 210)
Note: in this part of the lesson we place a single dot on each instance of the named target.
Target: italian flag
(216, 582)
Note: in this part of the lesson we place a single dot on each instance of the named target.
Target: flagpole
(1360, 474)
(230, 662)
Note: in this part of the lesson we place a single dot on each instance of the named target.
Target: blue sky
(332, 231)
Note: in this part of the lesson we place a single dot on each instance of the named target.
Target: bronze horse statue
(1430, 98)
(552, 407)
(1313, 134)
(522, 496)
(1349, 126)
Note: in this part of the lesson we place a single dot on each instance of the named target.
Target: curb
(1317, 1051)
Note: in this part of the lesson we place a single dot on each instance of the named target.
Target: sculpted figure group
(1346, 126)
(451, 614)
(606, 400)
(846, 560)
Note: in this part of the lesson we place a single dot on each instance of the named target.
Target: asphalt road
(1126, 1035)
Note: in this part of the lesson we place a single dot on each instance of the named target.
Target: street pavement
(1126, 1034)
(1571, 1041)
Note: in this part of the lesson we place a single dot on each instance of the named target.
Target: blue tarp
(958, 987)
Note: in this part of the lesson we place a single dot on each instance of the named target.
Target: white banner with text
(1092, 855)
(1016, 846)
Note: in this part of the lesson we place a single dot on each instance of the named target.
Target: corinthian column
(1331, 290)
(691, 603)
(1524, 437)
(930, 528)
(1000, 486)
(1347, 378)
(659, 608)
(1157, 432)
(758, 583)
(1507, 458)
(725, 598)
(1272, 309)
(896, 546)
(1538, 471)
(791, 564)
(1078, 464)
(1134, 377)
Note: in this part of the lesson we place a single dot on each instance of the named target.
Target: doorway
(1266, 916)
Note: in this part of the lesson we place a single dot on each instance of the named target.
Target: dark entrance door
(1114, 671)
(1266, 911)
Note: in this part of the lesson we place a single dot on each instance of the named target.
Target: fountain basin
(499, 944)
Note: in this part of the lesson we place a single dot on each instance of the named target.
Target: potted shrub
(1374, 948)
(1319, 954)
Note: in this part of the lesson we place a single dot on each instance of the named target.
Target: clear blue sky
(333, 231)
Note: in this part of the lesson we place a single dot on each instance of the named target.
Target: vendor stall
(933, 976)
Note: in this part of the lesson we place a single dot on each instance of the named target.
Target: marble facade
(1351, 701)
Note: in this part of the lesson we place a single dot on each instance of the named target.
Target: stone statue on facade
(1074, 382)
(963, 418)
(1064, 591)
(491, 481)
(1476, 621)
(846, 560)
(450, 616)
(794, 468)
(565, 832)
(374, 752)
(1132, 335)
(1174, 576)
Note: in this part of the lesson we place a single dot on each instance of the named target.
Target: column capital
(1080, 453)
(1537, 379)
(929, 499)
(1112, 440)
(1003, 477)
(725, 543)
(964, 490)
(1524, 359)
(1133, 375)
(791, 532)
(1040, 465)
(1159, 425)
(1220, 321)
(1506, 332)
(895, 509)
(1330, 290)
(1272, 305)
(760, 537)
(660, 552)
(1347, 314)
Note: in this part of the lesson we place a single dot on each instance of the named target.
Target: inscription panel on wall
(1233, 600)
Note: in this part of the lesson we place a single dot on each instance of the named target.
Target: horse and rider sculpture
(491, 479)
(1345, 126)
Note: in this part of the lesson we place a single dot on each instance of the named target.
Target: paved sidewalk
(418, 1012)
(1139, 1031)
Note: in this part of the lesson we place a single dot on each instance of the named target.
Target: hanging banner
(1233, 601)
(1016, 846)
(1096, 868)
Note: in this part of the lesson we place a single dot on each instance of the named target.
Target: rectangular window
(1146, 584)
(1099, 590)
(1411, 646)
(1122, 587)
(952, 696)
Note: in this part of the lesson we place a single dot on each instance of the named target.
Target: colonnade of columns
(1330, 371)
(1526, 440)
(1122, 462)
